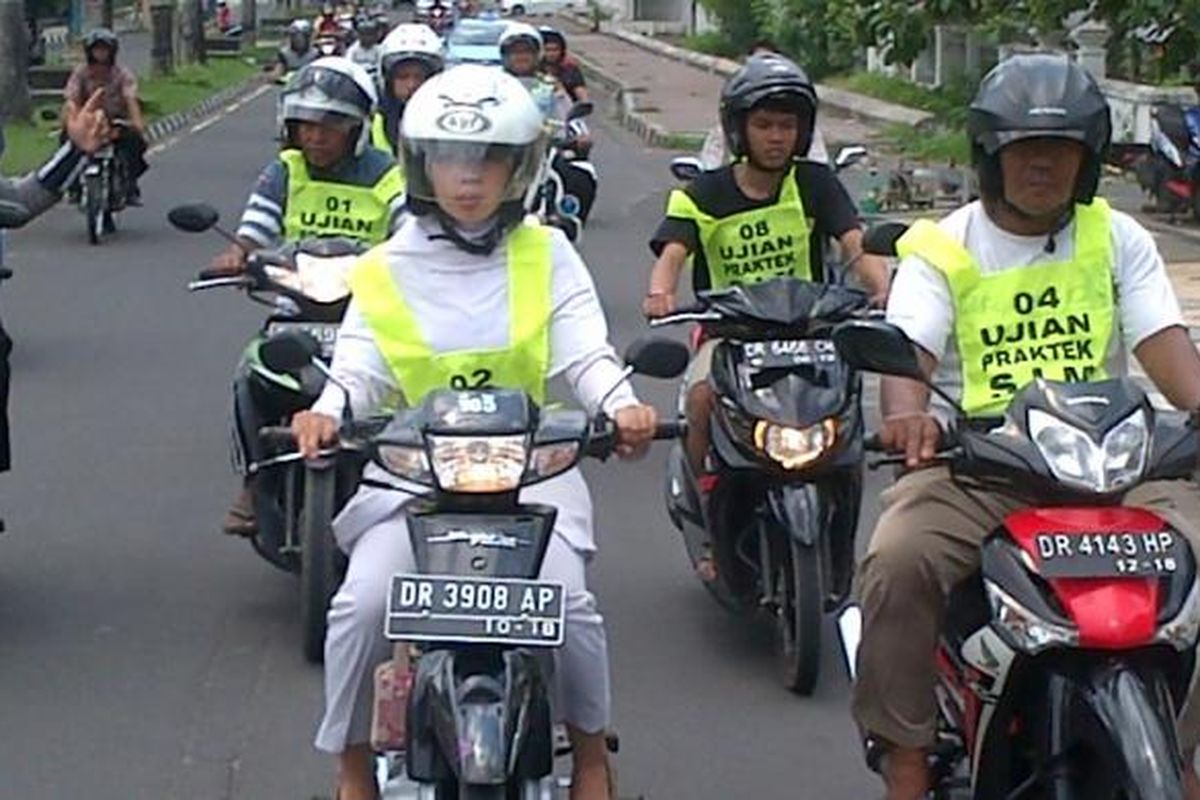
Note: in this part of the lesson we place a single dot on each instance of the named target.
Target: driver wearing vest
(411, 54)
(1039, 277)
(328, 181)
(766, 216)
(468, 294)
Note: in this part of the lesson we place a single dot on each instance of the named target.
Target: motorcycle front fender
(798, 508)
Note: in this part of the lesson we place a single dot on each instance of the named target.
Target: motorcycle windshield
(783, 304)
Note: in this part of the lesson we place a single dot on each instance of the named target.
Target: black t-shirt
(830, 210)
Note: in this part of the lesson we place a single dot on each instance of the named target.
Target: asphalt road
(145, 655)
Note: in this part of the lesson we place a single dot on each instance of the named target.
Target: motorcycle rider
(431, 304)
(411, 55)
(100, 70)
(327, 23)
(366, 52)
(1039, 127)
(559, 64)
(298, 51)
(769, 199)
(521, 54)
(327, 163)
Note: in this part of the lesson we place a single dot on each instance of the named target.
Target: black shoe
(135, 197)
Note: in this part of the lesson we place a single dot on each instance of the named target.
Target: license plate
(443, 608)
(1110, 554)
(779, 353)
(326, 333)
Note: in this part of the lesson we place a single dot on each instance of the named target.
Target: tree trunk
(250, 22)
(14, 61)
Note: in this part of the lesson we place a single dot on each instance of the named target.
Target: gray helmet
(770, 80)
(100, 36)
(1036, 96)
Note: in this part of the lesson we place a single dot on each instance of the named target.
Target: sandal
(239, 519)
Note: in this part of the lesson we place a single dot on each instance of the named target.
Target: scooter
(305, 286)
(473, 717)
(569, 190)
(1171, 175)
(1064, 660)
(769, 524)
(103, 190)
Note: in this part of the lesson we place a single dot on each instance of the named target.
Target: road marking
(211, 120)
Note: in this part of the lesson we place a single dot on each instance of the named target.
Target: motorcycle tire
(110, 222)
(318, 559)
(798, 620)
(466, 792)
(1196, 200)
(93, 211)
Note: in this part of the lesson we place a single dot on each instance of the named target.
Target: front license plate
(783, 353)
(326, 333)
(444, 608)
(1109, 554)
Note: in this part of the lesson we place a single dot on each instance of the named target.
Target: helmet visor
(994, 142)
(466, 164)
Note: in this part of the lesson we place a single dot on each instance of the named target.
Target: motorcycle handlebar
(603, 442)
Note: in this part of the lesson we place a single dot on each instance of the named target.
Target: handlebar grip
(872, 443)
(671, 429)
(276, 435)
(210, 274)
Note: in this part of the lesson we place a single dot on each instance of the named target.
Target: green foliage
(737, 22)
(943, 145)
(948, 103)
(713, 43)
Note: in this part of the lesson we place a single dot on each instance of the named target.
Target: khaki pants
(927, 540)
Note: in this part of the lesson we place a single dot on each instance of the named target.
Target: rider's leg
(699, 406)
(926, 541)
(246, 420)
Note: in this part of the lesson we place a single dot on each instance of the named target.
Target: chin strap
(483, 246)
(1063, 220)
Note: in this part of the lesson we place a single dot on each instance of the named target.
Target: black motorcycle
(304, 285)
(478, 718)
(569, 190)
(102, 190)
(770, 524)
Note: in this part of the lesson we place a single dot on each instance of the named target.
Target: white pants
(355, 644)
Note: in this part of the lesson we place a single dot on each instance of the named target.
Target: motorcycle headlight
(405, 462)
(793, 448)
(478, 464)
(1076, 460)
(1029, 631)
(1182, 631)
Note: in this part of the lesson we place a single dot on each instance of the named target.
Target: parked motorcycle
(1064, 660)
(102, 189)
(569, 190)
(304, 284)
(769, 525)
(1171, 174)
(475, 714)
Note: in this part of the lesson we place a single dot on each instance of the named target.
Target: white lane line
(212, 120)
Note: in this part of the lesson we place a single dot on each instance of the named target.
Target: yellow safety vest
(1052, 320)
(523, 364)
(320, 208)
(754, 245)
(379, 137)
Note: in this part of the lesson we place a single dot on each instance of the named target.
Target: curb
(627, 114)
(162, 128)
(857, 105)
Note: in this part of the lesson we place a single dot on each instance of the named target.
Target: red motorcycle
(1064, 661)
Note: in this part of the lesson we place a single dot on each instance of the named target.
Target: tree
(14, 60)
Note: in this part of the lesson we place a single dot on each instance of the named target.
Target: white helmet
(474, 112)
(520, 32)
(331, 89)
(411, 42)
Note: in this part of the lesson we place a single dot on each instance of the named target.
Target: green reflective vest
(523, 364)
(754, 245)
(379, 137)
(1052, 320)
(321, 208)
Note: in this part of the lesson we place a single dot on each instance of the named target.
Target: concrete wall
(1131, 104)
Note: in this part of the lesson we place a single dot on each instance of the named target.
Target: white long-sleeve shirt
(460, 302)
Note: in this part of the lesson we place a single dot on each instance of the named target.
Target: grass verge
(29, 144)
(941, 145)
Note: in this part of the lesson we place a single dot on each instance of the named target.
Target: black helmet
(552, 34)
(766, 79)
(100, 36)
(1032, 96)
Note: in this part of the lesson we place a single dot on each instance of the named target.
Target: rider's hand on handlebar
(635, 430)
(916, 435)
(313, 431)
(230, 261)
(658, 304)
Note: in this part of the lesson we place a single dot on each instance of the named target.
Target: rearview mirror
(875, 346)
(289, 351)
(848, 156)
(581, 110)
(880, 240)
(193, 217)
(686, 168)
(657, 357)
(13, 214)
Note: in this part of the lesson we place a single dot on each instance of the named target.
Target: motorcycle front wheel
(318, 559)
(93, 208)
(798, 618)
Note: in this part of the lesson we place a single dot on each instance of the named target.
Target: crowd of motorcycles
(1057, 677)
